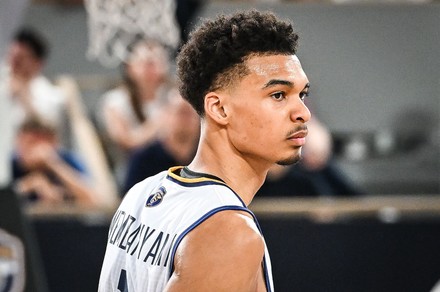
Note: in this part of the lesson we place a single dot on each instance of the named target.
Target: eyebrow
(274, 82)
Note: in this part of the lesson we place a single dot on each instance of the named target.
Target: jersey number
(122, 284)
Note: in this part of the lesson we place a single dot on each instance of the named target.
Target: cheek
(253, 121)
(254, 129)
(257, 124)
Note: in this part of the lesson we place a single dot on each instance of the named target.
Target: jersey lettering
(157, 263)
(129, 235)
(122, 284)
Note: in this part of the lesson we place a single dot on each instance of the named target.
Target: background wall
(375, 78)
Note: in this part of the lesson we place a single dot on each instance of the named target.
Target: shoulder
(42, 82)
(228, 247)
(46, 92)
(237, 229)
(115, 96)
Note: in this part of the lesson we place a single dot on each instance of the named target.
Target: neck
(244, 175)
(26, 76)
(147, 92)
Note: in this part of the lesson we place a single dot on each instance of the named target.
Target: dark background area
(351, 255)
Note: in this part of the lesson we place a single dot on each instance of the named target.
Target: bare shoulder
(224, 253)
(234, 229)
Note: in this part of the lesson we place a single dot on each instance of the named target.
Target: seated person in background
(176, 144)
(128, 111)
(43, 171)
(33, 95)
(315, 175)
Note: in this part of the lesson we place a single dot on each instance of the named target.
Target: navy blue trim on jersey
(266, 272)
(204, 218)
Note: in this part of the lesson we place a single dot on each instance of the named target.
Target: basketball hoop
(114, 25)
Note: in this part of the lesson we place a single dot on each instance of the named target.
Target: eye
(303, 95)
(278, 95)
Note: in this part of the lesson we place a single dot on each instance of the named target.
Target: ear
(214, 107)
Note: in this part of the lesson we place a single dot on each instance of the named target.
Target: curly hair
(215, 55)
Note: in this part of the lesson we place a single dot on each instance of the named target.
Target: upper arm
(224, 253)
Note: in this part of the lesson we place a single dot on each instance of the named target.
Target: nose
(300, 112)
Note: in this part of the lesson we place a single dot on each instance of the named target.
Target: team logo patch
(156, 198)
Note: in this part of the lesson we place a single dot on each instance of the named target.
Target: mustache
(300, 128)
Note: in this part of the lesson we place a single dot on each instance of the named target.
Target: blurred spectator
(11, 12)
(128, 111)
(44, 171)
(315, 175)
(33, 95)
(176, 144)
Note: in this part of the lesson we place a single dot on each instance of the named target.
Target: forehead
(270, 66)
(146, 51)
(20, 47)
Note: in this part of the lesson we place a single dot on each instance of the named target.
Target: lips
(298, 138)
(299, 135)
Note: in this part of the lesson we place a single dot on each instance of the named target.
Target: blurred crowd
(67, 154)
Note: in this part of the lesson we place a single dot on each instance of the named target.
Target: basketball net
(114, 25)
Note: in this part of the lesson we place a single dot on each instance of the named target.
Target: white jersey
(152, 220)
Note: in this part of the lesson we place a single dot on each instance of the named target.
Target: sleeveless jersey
(153, 218)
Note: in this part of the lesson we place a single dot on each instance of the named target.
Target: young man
(189, 229)
(33, 95)
(43, 171)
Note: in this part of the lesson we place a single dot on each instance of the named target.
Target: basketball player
(189, 228)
